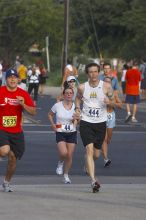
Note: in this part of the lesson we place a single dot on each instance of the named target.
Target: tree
(23, 23)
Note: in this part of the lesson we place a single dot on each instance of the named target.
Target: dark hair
(65, 84)
(65, 88)
(106, 64)
(125, 66)
(135, 63)
(90, 65)
(108, 77)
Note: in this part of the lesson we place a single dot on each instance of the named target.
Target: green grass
(54, 78)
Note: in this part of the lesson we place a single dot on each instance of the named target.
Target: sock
(129, 113)
(5, 181)
(65, 175)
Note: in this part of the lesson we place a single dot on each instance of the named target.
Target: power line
(95, 31)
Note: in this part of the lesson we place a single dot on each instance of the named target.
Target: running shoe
(66, 179)
(6, 187)
(95, 186)
(128, 118)
(134, 120)
(107, 163)
(59, 169)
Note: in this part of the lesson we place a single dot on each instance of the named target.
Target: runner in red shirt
(13, 101)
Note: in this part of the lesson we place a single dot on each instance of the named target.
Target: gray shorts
(111, 120)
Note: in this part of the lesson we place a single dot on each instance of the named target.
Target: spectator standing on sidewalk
(22, 72)
(13, 101)
(133, 79)
(143, 79)
(123, 81)
(65, 129)
(33, 82)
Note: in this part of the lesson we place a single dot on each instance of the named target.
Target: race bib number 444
(94, 112)
(9, 121)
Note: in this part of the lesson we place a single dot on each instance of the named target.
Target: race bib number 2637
(9, 121)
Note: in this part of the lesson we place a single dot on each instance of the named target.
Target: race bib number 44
(67, 127)
(9, 121)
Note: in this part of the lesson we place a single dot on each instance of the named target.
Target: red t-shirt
(11, 110)
(133, 77)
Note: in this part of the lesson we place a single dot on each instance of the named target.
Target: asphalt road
(39, 194)
(127, 149)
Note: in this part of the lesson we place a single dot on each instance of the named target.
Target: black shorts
(70, 137)
(15, 141)
(92, 133)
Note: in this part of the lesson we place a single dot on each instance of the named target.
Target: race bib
(109, 116)
(67, 127)
(94, 112)
(9, 121)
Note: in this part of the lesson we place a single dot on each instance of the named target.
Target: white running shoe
(59, 169)
(6, 187)
(66, 179)
(134, 120)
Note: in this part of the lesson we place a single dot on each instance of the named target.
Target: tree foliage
(97, 28)
(112, 28)
(24, 22)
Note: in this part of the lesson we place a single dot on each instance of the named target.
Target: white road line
(115, 132)
(44, 125)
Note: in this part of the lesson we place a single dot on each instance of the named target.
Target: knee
(69, 157)
(12, 158)
(4, 151)
(64, 154)
(89, 151)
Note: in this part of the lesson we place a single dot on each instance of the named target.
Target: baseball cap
(69, 78)
(11, 72)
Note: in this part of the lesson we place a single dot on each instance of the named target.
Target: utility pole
(66, 31)
(47, 53)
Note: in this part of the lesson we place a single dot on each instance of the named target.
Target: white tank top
(94, 109)
(64, 117)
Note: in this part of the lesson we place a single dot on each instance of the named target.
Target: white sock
(129, 113)
(65, 175)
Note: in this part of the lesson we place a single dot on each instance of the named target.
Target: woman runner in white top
(66, 134)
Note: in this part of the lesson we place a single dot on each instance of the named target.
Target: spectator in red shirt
(133, 78)
(13, 101)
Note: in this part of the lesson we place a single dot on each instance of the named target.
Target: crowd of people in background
(32, 78)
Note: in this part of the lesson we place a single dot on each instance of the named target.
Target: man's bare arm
(79, 96)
